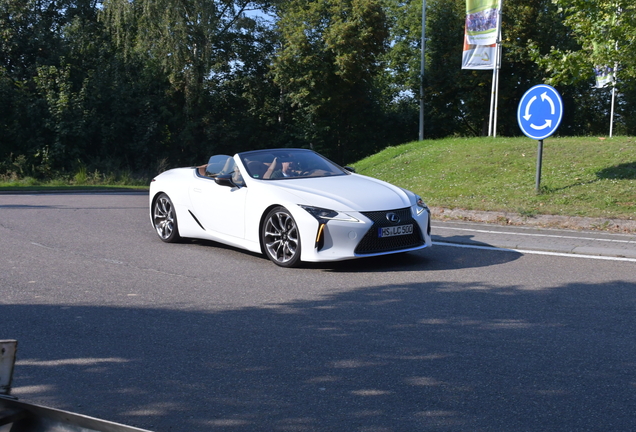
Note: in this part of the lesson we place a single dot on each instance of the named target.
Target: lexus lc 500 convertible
(292, 205)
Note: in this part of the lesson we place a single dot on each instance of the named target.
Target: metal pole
(422, 68)
(539, 159)
(494, 96)
(613, 100)
(612, 112)
(498, 65)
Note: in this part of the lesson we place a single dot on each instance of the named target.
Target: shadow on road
(429, 259)
(416, 357)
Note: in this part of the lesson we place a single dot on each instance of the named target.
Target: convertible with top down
(292, 205)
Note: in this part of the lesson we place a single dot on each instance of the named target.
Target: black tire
(164, 219)
(281, 238)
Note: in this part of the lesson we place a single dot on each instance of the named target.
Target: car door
(219, 209)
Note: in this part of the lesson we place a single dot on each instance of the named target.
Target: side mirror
(225, 180)
(350, 169)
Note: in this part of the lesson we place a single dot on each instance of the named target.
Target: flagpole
(612, 109)
(613, 96)
(495, 109)
(422, 68)
(494, 94)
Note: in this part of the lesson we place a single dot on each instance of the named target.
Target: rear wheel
(281, 238)
(164, 218)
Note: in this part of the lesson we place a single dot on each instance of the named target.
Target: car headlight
(325, 215)
(420, 205)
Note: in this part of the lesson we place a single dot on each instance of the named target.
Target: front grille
(372, 243)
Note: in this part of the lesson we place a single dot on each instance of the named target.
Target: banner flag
(479, 57)
(482, 18)
(482, 46)
(604, 76)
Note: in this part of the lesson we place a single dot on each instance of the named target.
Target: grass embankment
(588, 176)
(46, 187)
(79, 182)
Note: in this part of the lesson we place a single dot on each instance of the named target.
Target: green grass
(54, 187)
(81, 181)
(585, 176)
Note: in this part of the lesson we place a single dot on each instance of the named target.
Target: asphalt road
(465, 336)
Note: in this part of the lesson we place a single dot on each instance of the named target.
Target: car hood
(352, 192)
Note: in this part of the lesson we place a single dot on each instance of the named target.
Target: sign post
(537, 183)
(539, 115)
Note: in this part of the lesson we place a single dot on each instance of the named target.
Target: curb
(539, 221)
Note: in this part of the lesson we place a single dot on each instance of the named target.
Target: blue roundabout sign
(540, 112)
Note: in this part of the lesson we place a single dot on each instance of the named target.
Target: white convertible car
(292, 205)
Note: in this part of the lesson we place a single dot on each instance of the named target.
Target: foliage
(126, 85)
(204, 49)
(326, 66)
(605, 32)
(602, 34)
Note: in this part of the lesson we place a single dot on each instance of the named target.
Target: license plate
(395, 231)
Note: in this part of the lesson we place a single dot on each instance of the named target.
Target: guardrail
(21, 416)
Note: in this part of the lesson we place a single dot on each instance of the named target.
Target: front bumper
(340, 240)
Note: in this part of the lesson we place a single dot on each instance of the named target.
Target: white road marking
(535, 235)
(531, 252)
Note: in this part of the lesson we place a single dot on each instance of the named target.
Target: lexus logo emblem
(393, 218)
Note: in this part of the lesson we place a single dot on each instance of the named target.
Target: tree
(31, 40)
(326, 66)
(605, 31)
(204, 48)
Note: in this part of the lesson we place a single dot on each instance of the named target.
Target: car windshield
(288, 163)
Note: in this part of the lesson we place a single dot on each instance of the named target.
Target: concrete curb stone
(542, 221)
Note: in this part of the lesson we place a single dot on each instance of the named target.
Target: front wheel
(281, 238)
(164, 218)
